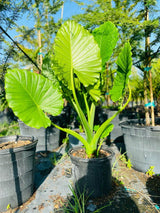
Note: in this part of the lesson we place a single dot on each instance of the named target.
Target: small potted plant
(78, 61)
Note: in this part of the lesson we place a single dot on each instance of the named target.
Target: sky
(70, 9)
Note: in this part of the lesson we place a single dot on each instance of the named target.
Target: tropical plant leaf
(47, 70)
(108, 129)
(124, 63)
(105, 133)
(30, 95)
(118, 86)
(94, 91)
(124, 60)
(106, 36)
(75, 48)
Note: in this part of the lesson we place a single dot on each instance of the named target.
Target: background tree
(37, 39)
(136, 84)
(10, 11)
(42, 13)
(156, 82)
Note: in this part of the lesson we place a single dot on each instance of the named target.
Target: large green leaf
(75, 48)
(106, 36)
(124, 63)
(30, 95)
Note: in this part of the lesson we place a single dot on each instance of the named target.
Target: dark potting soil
(14, 144)
(82, 154)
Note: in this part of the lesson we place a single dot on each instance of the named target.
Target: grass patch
(9, 129)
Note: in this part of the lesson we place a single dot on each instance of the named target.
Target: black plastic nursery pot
(92, 176)
(16, 172)
(142, 145)
(7, 116)
(74, 142)
(48, 139)
(117, 134)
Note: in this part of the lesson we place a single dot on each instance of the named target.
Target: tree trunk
(146, 99)
(148, 65)
(39, 59)
(62, 11)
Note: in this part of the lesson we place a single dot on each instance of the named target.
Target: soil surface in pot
(82, 154)
(14, 144)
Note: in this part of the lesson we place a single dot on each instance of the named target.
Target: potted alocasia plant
(78, 62)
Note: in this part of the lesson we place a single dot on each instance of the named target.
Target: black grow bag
(92, 176)
(142, 144)
(16, 172)
(48, 138)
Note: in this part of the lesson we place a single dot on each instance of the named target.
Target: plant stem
(79, 110)
(106, 123)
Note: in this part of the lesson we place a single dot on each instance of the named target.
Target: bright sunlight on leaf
(124, 63)
(75, 48)
(106, 36)
(30, 95)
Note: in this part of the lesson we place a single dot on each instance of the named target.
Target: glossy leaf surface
(75, 48)
(106, 36)
(30, 95)
(124, 63)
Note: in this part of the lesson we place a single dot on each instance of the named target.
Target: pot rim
(34, 141)
(132, 123)
(105, 147)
